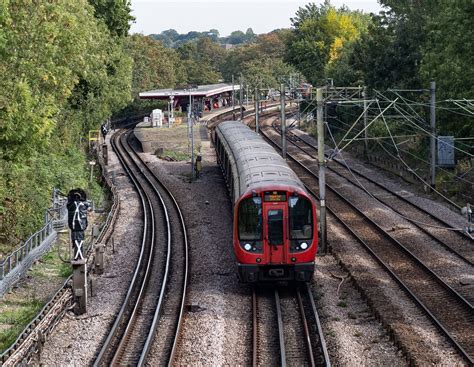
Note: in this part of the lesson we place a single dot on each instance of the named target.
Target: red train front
(275, 232)
(274, 235)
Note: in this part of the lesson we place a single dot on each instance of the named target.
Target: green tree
(115, 14)
(201, 60)
(154, 66)
(63, 73)
(236, 37)
(389, 54)
(318, 36)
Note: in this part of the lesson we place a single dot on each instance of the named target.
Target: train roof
(258, 164)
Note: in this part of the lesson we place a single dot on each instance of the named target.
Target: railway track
(449, 310)
(286, 328)
(154, 302)
(423, 233)
(454, 241)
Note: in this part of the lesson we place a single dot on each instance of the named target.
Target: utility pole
(233, 102)
(241, 99)
(171, 115)
(191, 135)
(283, 120)
(256, 110)
(433, 133)
(322, 170)
(366, 142)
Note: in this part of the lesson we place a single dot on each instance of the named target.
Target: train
(275, 235)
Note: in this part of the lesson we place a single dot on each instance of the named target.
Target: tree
(63, 72)
(236, 37)
(115, 14)
(200, 61)
(318, 36)
(154, 65)
(389, 54)
(250, 36)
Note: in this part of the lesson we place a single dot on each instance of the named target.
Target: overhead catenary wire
(361, 186)
(440, 168)
(410, 119)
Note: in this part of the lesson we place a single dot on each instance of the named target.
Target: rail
(35, 333)
(452, 330)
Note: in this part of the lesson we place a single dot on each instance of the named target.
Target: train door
(275, 231)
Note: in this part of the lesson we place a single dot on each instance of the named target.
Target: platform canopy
(196, 91)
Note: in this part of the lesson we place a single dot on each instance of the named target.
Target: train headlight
(248, 246)
(304, 246)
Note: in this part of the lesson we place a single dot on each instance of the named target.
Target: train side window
(250, 219)
(301, 218)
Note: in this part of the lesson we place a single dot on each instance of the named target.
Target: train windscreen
(250, 219)
(301, 218)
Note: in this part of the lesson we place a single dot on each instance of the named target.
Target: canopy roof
(196, 91)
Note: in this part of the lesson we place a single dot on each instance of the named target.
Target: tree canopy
(318, 36)
(63, 73)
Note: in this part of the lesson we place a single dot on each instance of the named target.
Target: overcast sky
(155, 16)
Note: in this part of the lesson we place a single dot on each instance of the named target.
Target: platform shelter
(203, 97)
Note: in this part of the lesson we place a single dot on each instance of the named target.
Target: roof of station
(199, 91)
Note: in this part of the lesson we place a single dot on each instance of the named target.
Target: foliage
(318, 36)
(115, 14)
(410, 44)
(63, 72)
(201, 61)
(448, 55)
(171, 38)
(389, 54)
(154, 65)
(18, 317)
(260, 63)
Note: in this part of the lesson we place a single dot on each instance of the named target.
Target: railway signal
(77, 207)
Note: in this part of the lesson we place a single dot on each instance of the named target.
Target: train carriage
(275, 232)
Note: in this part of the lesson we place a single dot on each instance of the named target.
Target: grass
(21, 306)
(65, 270)
(15, 319)
(175, 155)
(51, 265)
(342, 304)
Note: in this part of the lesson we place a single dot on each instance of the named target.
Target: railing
(53, 216)
(33, 336)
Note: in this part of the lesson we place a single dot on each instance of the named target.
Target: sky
(263, 16)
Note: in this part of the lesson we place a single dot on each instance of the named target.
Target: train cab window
(250, 219)
(301, 218)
